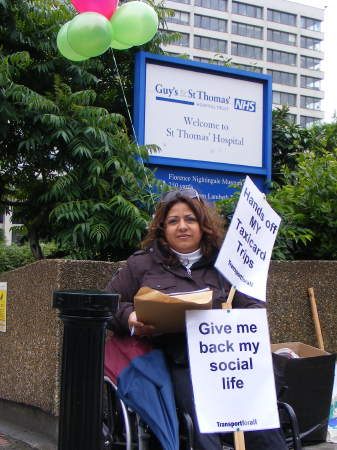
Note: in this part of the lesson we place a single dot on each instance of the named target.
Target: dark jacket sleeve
(245, 301)
(125, 283)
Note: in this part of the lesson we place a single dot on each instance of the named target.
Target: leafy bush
(14, 256)
(308, 202)
(290, 233)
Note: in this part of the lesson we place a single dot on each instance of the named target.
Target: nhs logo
(244, 105)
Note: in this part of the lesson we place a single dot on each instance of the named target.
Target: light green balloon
(89, 34)
(119, 46)
(134, 23)
(64, 47)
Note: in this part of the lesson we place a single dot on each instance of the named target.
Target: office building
(276, 37)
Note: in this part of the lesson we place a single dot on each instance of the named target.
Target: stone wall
(31, 348)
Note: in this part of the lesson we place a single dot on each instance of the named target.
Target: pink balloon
(104, 7)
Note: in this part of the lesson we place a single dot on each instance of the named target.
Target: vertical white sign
(245, 254)
(231, 370)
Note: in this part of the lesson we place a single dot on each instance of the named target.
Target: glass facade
(284, 98)
(281, 37)
(290, 79)
(180, 17)
(218, 62)
(310, 43)
(306, 121)
(310, 82)
(210, 44)
(247, 67)
(186, 2)
(244, 9)
(220, 5)
(210, 23)
(248, 51)
(310, 102)
(279, 57)
(183, 40)
(307, 62)
(310, 24)
(243, 29)
(281, 17)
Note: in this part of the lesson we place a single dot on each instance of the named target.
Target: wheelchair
(124, 429)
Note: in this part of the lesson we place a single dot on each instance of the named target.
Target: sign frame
(142, 59)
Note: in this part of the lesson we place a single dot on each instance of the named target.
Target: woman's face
(182, 230)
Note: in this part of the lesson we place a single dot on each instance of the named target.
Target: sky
(329, 47)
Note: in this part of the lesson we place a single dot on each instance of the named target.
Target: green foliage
(288, 140)
(289, 234)
(69, 167)
(14, 256)
(308, 201)
(307, 204)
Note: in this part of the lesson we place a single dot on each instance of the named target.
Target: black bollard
(85, 315)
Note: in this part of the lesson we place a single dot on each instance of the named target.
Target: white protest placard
(231, 370)
(245, 254)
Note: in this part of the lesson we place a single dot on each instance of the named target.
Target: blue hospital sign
(203, 117)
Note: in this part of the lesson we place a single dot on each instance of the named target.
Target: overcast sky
(329, 47)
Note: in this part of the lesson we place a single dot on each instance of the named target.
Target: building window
(281, 17)
(208, 60)
(186, 2)
(247, 10)
(310, 102)
(290, 79)
(183, 40)
(307, 62)
(248, 51)
(310, 82)
(248, 67)
(306, 121)
(310, 24)
(291, 118)
(210, 44)
(244, 29)
(210, 23)
(310, 43)
(281, 57)
(179, 17)
(220, 5)
(281, 37)
(284, 98)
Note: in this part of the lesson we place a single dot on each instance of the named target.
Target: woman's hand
(139, 328)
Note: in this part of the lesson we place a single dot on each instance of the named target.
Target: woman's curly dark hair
(210, 223)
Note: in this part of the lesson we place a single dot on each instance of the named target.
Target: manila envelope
(167, 312)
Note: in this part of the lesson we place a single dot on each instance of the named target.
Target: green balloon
(119, 46)
(134, 23)
(64, 47)
(89, 34)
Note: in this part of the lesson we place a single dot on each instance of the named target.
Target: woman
(178, 254)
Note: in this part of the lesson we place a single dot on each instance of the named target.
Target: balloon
(64, 47)
(105, 7)
(134, 23)
(89, 34)
(119, 46)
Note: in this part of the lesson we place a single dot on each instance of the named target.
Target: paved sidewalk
(9, 443)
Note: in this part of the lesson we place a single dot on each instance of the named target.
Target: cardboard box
(307, 382)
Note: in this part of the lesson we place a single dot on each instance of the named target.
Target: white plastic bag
(332, 425)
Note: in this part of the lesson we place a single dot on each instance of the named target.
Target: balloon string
(132, 126)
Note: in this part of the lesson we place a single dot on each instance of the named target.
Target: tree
(69, 166)
(308, 201)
